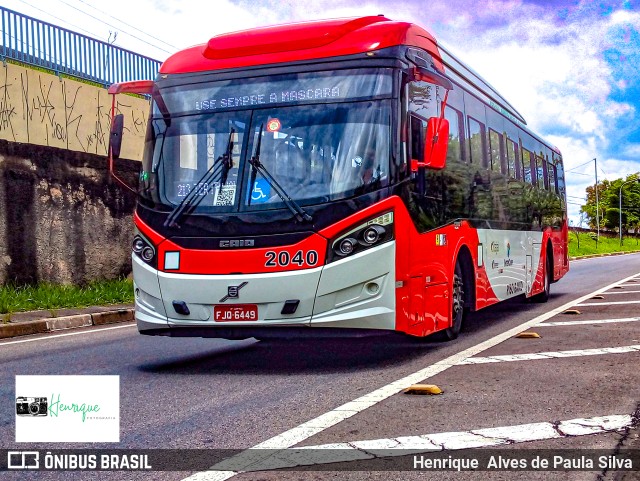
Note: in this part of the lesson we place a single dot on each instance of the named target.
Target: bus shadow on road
(333, 355)
(296, 356)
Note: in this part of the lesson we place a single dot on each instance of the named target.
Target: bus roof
(298, 42)
(318, 39)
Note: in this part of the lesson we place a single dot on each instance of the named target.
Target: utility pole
(597, 204)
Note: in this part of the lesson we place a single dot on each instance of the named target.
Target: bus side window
(418, 130)
(551, 171)
(512, 155)
(526, 166)
(497, 154)
(559, 175)
(456, 134)
(477, 142)
(542, 179)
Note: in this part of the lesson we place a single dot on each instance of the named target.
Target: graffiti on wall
(43, 109)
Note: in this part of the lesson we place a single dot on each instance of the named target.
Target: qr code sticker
(226, 195)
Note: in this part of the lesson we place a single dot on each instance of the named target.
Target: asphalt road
(216, 394)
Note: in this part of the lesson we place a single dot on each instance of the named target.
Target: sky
(571, 68)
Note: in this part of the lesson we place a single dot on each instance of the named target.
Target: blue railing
(39, 43)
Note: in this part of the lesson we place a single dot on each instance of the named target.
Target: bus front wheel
(457, 307)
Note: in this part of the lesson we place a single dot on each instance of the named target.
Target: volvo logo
(237, 243)
(233, 292)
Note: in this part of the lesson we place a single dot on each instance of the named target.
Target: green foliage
(52, 297)
(609, 204)
(584, 243)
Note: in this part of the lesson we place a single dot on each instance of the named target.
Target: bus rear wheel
(457, 307)
(548, 272)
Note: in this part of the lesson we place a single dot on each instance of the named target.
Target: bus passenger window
(526, 166)
(542, 181)
(495, 140)
(418, 131)
(477, 142)
(551, 171)
(512, 151)
(455, 120)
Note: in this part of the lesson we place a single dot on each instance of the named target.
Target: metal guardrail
(42, 44)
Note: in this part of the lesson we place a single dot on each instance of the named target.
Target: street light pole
(620, 204)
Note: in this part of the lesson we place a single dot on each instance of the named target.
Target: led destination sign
(298, 88)
(273, 97)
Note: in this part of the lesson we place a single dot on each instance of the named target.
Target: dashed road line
(594, 321)
(534, 356)
(329, 419)
(406, 445)
(615, 303)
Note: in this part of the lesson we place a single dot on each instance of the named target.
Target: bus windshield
(325, 139)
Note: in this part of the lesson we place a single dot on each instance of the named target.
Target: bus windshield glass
(326, 138)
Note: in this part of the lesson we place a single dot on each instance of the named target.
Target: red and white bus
(343, 177)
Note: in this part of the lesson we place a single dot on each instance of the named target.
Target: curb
(52, 324)
(590, 256)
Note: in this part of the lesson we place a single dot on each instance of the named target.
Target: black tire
(458, 310)
(544, 295)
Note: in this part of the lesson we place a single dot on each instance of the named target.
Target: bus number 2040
(284, 258)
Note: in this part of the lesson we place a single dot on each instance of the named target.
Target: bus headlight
(144, 249)
(373, 234)
(368, 234)
(346, 246)
(137, 245)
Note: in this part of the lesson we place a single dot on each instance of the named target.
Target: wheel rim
(458, 298)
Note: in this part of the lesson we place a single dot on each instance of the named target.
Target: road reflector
(528, 335)
(423, 389)
(597, 297)
(572, 311)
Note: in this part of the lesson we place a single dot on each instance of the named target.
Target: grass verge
(581, 244)
(51, 297)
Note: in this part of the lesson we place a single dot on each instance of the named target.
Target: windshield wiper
(257, 166)
(222, 165)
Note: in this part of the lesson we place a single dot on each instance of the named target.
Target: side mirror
(115, 137)
(432, 76)
(436, 143)
(115, 144)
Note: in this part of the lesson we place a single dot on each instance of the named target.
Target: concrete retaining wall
(62, 219)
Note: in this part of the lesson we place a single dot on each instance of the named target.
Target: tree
(609, 197)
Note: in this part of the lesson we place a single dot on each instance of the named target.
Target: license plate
(235, 313)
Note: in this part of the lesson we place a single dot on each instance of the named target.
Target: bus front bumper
(355, 294)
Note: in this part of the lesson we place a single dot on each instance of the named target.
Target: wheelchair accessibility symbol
(261, 191)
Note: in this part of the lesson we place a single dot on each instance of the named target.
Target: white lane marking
(55, 336)
(594, 321)
(404, 445)
(550, 355)
(616, 303)
(620, 292)
(305, 430)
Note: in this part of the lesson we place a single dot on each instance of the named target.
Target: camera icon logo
(31, 406)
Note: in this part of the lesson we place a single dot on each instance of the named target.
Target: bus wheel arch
(465, 260)
(547, 278)
(462, 294)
